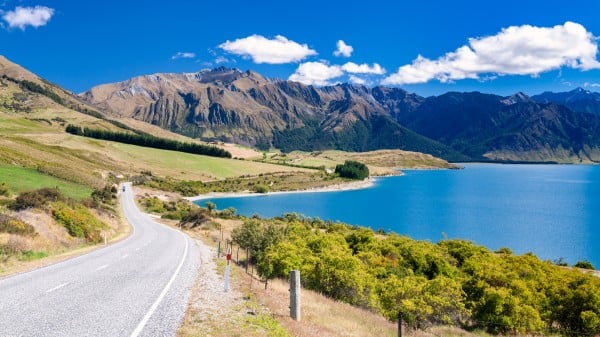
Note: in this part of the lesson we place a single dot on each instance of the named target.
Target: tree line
(452, 282)
(147, 140)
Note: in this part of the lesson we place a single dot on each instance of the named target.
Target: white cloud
(591, 85)
(221, 59)
(22, 17)
(183, 55)
(316, 73)
(516, 50)
(262, 50)
(364, 68)
(357, 80)
(343, 49)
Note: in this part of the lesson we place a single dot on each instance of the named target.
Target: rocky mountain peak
(517, 98)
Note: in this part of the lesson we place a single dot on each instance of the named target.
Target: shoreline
(348, 186)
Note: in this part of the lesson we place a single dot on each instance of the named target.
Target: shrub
(37, 199)
(584, 265)
(12, 225)
(260, 188)
(195, 217)
(4, 190)
(78, 221)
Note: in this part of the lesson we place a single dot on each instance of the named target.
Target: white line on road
(57, 287)
(101, 267)
(143, 322)
(124, 256)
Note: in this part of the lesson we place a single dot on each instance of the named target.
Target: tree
(210, 206)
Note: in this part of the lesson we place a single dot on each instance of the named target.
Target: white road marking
(57, 287)
(101, 267)
(124, 256)
(143, 322)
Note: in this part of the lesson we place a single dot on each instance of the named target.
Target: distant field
(191, 167)
(24, 179)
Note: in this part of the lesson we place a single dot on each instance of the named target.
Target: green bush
(261, 188)
(352, 170)
(37, 199)
(78, 221)
(584, 265)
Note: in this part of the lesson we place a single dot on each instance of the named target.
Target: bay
(552, 211)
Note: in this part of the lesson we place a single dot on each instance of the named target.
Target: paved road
(137, 287)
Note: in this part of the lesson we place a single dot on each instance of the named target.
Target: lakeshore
(347, 186)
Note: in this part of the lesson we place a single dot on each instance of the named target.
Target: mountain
(515, 128)
(579, 100)
(245, 107)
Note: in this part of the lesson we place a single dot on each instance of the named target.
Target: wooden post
(399, 324)
(267, 276)
(237, 256)
(247, 258)
(219, 251)
(295, 295)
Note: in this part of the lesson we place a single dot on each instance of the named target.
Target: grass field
(191, 167)
(22, 179)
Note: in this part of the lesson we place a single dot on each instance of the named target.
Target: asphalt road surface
(137, 287)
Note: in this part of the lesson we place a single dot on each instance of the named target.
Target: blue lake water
(550, 210)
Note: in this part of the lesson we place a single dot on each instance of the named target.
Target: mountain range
(244, 107)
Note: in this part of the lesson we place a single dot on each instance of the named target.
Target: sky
(426, 47)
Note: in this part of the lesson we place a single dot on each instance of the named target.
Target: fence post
(247, 259)
(399, 324)
(295, 295)
(219, 251)
(267, 274)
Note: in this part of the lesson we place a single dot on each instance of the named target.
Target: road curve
(137, 287)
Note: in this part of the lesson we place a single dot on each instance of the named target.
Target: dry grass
(380, 162)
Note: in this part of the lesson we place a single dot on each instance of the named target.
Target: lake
(550, 210)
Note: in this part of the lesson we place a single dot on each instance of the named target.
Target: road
(137, 287)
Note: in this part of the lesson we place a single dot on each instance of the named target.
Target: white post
(295, 295)
(104, 233)
(227, 277)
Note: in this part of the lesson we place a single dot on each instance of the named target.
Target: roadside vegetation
(453, 282)
(38, 223)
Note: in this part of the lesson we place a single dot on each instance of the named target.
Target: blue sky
(427, 47)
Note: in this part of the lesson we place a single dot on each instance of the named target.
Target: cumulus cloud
(273, 51)
(316, 73)
(516, 50)
(343, 49)
(183, 55)
(364, 68)
(22, 17)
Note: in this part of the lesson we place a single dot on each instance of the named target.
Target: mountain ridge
(245, 107)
